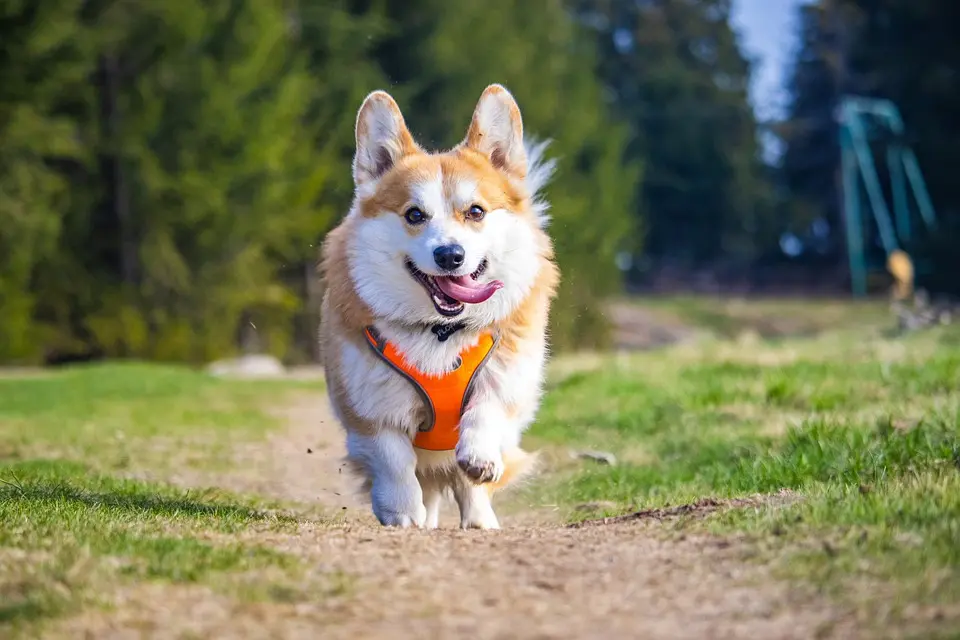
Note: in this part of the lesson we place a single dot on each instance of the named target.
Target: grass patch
(865, 428)
(845, 454)
(64, 530)
(105, 413)
(72, 533)
(887, 549)
(769, 318)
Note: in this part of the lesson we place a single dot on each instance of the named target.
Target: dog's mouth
(450, 294)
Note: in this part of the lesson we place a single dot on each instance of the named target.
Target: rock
(249, 366)
(602, 457)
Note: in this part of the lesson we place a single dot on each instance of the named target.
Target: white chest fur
(378, 394)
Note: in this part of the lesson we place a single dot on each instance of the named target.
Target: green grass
(768, 317)
(103, 414)
(861, 428)
(864, 429)
(896, 536)
(72, 527)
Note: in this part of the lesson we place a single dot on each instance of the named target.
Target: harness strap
(445, 396)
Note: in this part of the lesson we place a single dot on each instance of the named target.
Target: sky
(766, 34)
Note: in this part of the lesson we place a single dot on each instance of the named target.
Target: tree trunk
(119, 195)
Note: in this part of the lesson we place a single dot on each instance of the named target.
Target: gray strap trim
(378, 349)
(473, 378)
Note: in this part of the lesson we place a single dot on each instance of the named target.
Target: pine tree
(337, 40)
(808, 171)
(45, 58)
(203, 179)
(181, 161)
(908, 52)
(676, 75)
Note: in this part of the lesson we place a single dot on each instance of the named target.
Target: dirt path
(620, 580)
(601, 582)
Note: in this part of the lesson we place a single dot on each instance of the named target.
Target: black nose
(449, 257)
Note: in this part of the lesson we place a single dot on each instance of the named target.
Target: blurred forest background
(168, 169)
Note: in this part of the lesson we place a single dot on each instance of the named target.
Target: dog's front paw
(480, 466)
(403, 520)
(397, 505)
(485, 520)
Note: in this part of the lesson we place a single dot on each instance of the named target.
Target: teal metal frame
(856, 116)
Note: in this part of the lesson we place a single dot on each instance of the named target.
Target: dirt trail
(610, 582)
(528, 581)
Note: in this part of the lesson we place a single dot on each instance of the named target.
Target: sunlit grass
(71, 526)
(864, 431)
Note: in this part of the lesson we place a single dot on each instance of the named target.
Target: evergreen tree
(809, 169)
(45, 59)
(676, 75)
(337, 40)
(167, 170)
(203, 165)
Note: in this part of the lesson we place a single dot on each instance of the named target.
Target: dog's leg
(395, 493)
(476, 510)
(432, 498)
(481, 439)
(480, 458)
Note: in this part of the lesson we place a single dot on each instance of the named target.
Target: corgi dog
(437, 289)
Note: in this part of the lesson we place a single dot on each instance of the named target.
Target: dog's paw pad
(480, 471)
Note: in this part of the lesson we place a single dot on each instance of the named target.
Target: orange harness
(445, 396)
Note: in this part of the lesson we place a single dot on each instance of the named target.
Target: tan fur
(347, 314)
(494, 191)
(529, 320)
(517, 466)
(341, 304)
(407, 144)
(498, 158)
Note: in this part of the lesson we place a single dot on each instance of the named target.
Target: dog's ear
(382, 138)
(497, 131)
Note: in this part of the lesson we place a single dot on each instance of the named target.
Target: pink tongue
(466, 289)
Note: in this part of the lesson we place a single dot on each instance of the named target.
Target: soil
(537, 578)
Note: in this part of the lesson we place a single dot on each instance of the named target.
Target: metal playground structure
(867, 124)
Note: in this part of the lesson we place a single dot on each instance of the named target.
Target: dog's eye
(475, 212)
(415, 216)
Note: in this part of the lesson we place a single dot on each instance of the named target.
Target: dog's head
(446, 235)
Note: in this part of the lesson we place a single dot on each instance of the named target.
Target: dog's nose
(449, 256)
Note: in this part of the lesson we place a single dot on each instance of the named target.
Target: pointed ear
(382, 138)
(497, 131)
